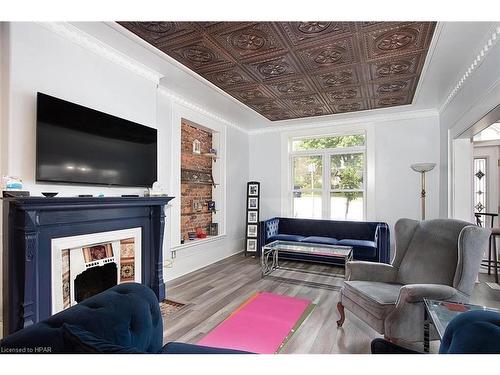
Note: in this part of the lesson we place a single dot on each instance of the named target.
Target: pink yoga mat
(260, 325)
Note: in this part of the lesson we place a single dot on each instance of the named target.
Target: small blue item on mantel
(12, 183)
(101, 195)
(14, 186)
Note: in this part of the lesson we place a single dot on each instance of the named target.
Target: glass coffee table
(270, 253)
(441, 313)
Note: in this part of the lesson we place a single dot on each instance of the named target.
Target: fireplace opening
(95, 280)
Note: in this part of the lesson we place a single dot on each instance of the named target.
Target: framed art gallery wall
(252, 217)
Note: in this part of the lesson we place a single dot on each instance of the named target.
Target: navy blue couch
(473, 332)
(370, 240)
(122, 319)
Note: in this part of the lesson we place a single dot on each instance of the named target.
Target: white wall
(478, 93)
(396, 144)
(49, 62)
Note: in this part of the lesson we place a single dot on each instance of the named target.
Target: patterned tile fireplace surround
(73, 256)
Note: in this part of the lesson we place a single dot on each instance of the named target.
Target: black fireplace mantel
(31, 223)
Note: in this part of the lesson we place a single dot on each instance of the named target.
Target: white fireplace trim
(77, 242)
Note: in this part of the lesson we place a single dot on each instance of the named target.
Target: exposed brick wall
(191, 192)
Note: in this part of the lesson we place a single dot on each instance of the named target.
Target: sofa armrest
(413, 293)
(370, 271)
(383, 242)
(267, 228)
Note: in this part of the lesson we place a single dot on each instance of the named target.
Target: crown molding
(405, 115)
(485, 50)
(198, 108)
(94, 45)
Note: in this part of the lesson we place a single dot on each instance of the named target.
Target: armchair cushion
(372, 300)
(286, 237)
(321, 240)
(417, 292)
(369, 271)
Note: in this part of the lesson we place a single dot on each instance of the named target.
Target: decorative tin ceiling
(286, 70)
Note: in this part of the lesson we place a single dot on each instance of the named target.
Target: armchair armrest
(417, 292)
(370, 271)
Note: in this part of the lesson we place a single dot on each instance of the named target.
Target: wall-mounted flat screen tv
(76, 144)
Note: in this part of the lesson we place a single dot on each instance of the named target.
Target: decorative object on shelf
(191, 236)
(196, 147)
(200, 233)
(49, 195)
(252, 217)
(213, 229)
(422, 168)
(12, 183)
(197, 177)
(213, 151)
(197, 206)
(211, 206)
(157, 190)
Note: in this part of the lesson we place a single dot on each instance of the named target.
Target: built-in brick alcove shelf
(36, 227)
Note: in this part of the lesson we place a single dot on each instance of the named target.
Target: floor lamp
(422, 168)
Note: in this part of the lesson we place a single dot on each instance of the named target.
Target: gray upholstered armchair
(436, 259)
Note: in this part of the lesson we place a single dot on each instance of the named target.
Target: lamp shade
(423, 167)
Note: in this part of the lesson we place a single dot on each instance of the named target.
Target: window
(328, 177)
(480, 184)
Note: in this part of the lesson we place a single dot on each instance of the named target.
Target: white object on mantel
(422, 168)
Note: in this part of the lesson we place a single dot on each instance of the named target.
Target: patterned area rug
(169, 307)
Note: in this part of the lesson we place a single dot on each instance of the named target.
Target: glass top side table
(441, 313)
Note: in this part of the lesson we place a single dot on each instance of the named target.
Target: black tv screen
(76, 144)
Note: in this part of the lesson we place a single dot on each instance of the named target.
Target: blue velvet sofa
(123, 319)
(473, 332)
(370, 240)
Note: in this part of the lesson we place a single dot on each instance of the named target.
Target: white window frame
(326, 155)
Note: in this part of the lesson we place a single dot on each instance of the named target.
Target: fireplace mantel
(31, 223)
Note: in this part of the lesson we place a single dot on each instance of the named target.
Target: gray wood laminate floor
(212, 293)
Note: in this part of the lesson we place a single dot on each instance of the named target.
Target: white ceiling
(454, 46)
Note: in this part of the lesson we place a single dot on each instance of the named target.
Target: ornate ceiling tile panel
(229, 78)
(392, 68)
(327, 55)
(250, 41)
(290, 87)
(397, 39)
(286, 70)
(302, 32)
(280, 67)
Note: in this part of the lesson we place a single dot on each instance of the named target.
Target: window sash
(326, 190)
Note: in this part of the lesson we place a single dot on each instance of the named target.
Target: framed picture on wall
(253, 190)
(252, 230)
(252, 227)
(252, 217)
(252, 245)
(253, 203)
